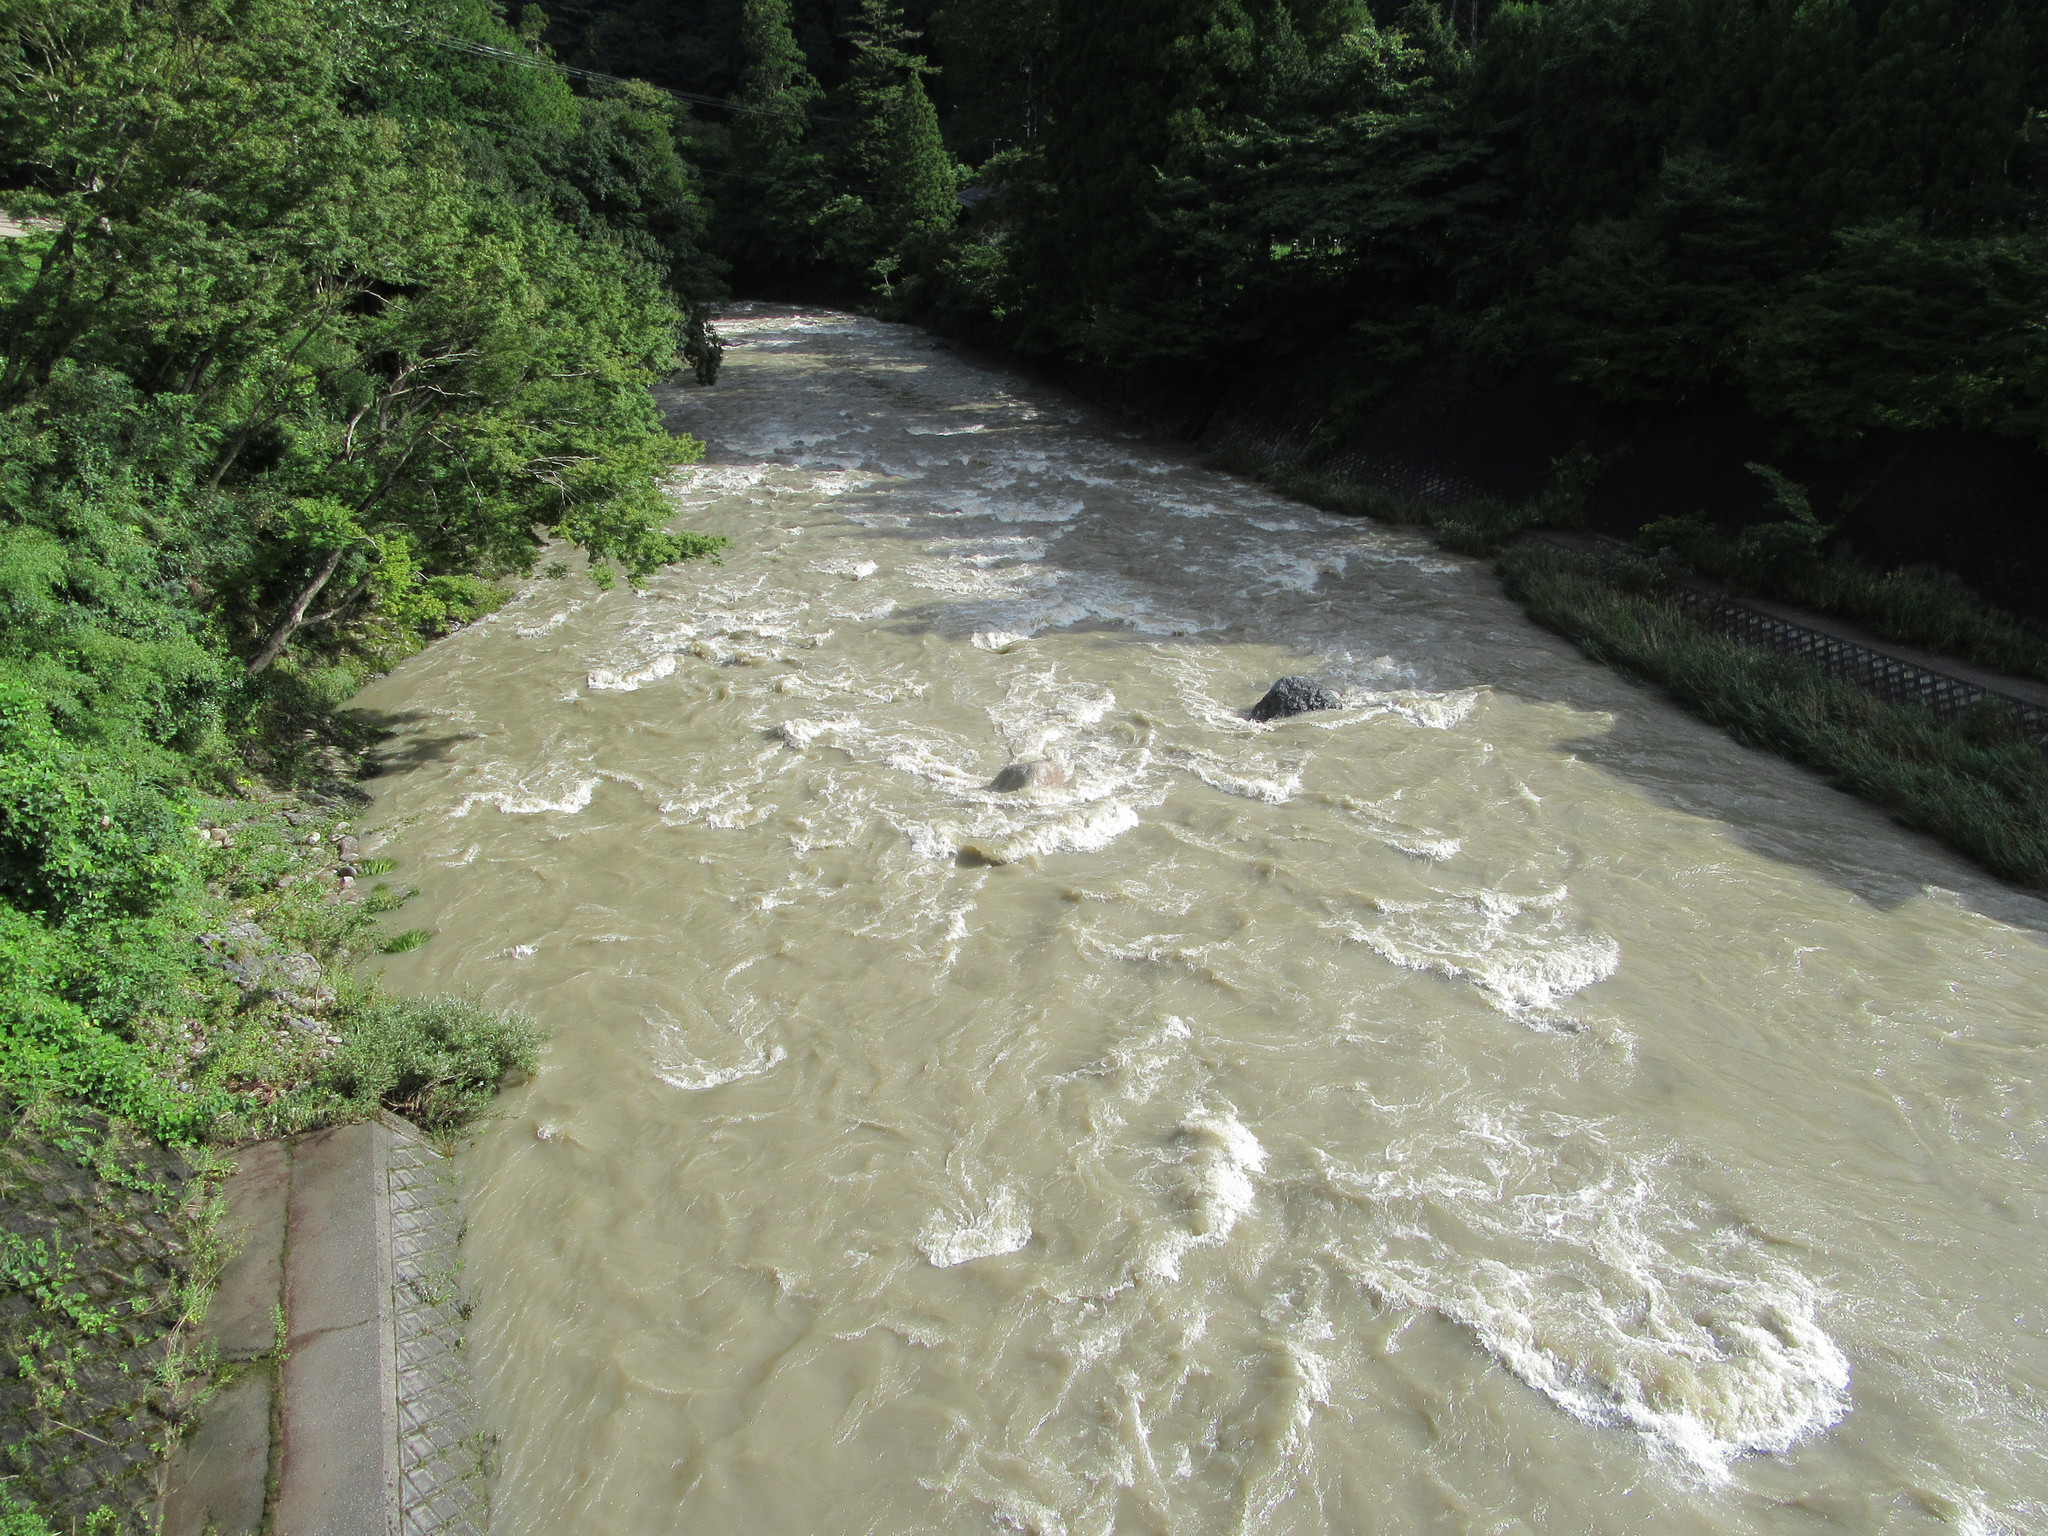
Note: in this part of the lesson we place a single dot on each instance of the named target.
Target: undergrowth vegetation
(1787, 558)
(1978, 784)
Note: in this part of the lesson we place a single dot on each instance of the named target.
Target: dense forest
(319, 317)
(1832, 206)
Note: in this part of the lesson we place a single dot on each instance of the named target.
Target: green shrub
(19, 1520)
(435, 1060)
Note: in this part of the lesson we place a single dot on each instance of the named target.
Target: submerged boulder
(1293, 696)
(1033, 773)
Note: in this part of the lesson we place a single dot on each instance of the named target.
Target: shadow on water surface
(398, 749)
(1649, 741)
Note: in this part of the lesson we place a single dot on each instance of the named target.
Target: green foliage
(1978, 785)
(1931, 609)
(776, 180)
(320, 330)
(48, 1277)
(19, 1520)
(436, 1060)
(1771, 555)
(865, 192)
(1831, 206)
(898, 178)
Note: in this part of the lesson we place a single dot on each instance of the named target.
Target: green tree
(775, 183)
(900, 182)
(318, 326)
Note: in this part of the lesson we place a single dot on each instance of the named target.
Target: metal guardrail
(1888, 677)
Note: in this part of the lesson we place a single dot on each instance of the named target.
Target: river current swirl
(1498, 1104)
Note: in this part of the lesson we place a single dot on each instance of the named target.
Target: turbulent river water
(1501, 1104)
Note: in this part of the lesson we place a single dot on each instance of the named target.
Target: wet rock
(1293, 696)
(255, 964)
(1034, 773)
(347, 847)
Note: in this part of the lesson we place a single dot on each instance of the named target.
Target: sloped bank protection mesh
(441, 1456)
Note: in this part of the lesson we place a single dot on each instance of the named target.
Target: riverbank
(261, 1023)
(1975, 781)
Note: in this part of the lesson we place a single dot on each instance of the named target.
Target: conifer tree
(1135, 85)
(901, 149)
(902, 185)
(776, 83)
(776, 182)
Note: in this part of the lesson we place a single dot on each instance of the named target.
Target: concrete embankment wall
(345, 1407)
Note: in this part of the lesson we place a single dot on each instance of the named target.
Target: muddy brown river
(1499, 1104)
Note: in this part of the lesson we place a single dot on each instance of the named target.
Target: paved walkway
(347, 1246)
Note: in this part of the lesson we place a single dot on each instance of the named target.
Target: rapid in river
(1499, 1104)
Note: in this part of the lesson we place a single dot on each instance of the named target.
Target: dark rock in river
(1034, 774)
(1293, 696)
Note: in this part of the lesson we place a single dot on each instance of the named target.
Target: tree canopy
(312, 328)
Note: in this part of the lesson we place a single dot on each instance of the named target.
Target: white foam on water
(1745, 1373)
(696, 1076)
(1001, 641)
(553, 621)
(1517, 950)
(709, 481)
(1432, 711)
(605, 681)
(1385, 825)
(526, 800)
(859, 570)
(1000, 550)
(1288, 571)
(799, 734)
(1418, 845)
(726, 809)
(1084, 830)
(737, 623)
(1041, 708)
(743, 1048)
(1274, 783)
(1610, 1292)
(1219, 1160)
(1002, 1226)
(1034, 511)
(1140, 1066)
